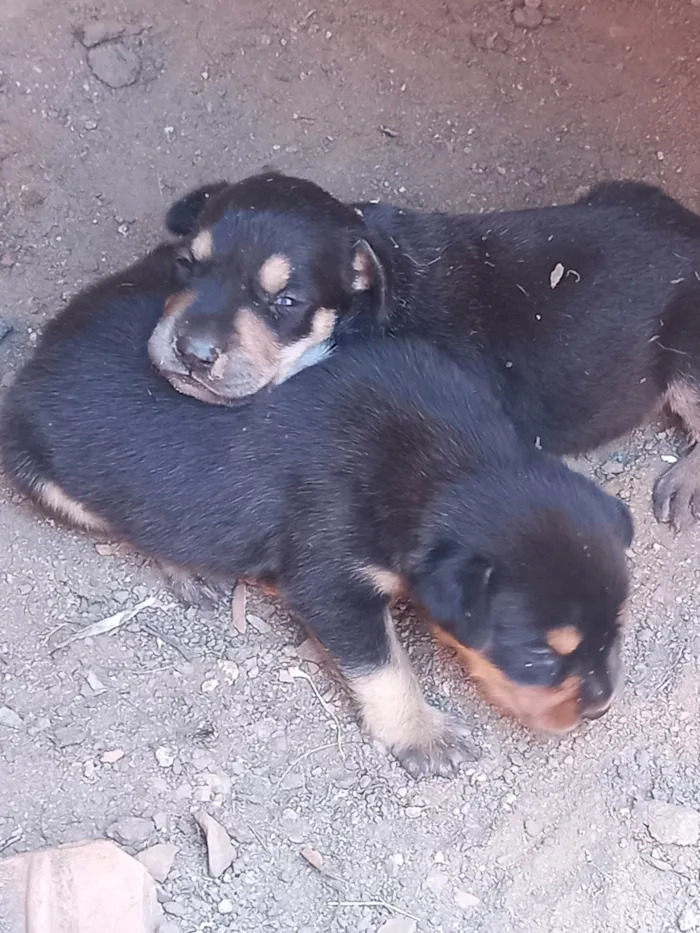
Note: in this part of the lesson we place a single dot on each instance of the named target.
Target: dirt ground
(438, 105)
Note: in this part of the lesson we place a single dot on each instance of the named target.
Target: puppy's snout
(198, 352)
(597, 694)
(593, 714)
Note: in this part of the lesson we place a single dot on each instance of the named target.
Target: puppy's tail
(22, 454)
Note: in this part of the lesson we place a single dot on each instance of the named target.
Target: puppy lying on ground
(389, 468)
(587, 315)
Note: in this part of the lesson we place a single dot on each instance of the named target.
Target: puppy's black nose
(596, 713)
(196, 351)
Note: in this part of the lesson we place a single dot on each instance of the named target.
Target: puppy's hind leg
(676, 496)
(356, 628)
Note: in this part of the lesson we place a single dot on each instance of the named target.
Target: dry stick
(107, 625)
(297, 672)
(10, 840)
(384, 904)
(311, 751)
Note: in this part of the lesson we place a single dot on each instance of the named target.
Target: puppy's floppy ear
(372, 275)
(453, 586)
(183, 214)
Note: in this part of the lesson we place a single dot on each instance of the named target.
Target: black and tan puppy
(586, 315)
(389, 467)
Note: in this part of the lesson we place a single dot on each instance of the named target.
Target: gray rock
(9, 718)
(671, 824)
(174, 908)
(131, 831)
(689, 920)
(64, 736)
(437, 882)
(398, 925)
(465, 900)
(220, 851)
(158, 859)
(527, 17)
(114, 64)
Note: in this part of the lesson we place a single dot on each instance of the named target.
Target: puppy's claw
(676, 497)
(442, 756)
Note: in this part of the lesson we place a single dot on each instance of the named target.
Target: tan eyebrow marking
(203, 245)
(564, 640)
(274, 273)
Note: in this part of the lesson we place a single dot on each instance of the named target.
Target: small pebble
(9, 718)
(220, 852)
(65, 736)
(158, 860)
(398, 925)
(165, 756)
(465, 900)
(131, 830)
(689, 920)
(225, 907)
(527, 17)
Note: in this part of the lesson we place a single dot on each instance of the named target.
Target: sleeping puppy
(389, 468)
(587, 315)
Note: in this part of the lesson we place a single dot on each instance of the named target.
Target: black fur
(388, 456)
(587, 314)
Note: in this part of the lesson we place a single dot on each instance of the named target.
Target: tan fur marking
(203, 246)
(257, 344)
(683, 398)
(56, 501)
(392, 703)
(177, 303)
(274, 273)
(564, 640)
(544, 709)
(322, 327)
(384, 581)
(362, 265)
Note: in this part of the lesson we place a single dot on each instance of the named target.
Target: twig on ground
(297, 672)
(385, 904)
(308, 754)
(107, 625)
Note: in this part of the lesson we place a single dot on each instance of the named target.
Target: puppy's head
(536, 614)
(268, 268)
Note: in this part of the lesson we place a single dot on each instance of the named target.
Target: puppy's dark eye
(184, 264)
(284, 301)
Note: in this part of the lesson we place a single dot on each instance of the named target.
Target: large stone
(114, 64)
(85, 887)
(671, 824)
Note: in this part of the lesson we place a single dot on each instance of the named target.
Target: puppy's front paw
(442, 752)
(676, 497)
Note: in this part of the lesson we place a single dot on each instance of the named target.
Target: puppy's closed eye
(184, 266)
